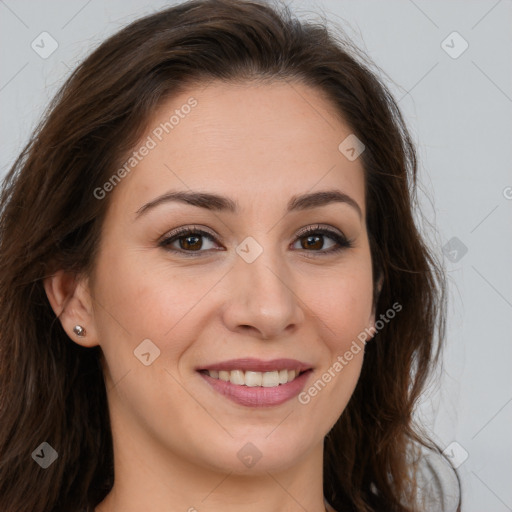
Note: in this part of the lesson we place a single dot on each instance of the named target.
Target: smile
(255, 379)
(257, 383)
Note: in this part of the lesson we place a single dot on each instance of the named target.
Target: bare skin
(176, 439)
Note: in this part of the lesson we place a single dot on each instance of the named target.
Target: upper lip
(258, 365)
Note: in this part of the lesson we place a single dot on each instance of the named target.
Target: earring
(79, 330)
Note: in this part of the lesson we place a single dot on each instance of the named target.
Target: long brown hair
(52, 389)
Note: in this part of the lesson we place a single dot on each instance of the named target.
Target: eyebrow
(220, 203)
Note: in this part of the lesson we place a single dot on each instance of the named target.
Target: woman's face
(246, 284)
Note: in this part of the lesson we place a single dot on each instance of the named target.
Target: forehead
(258, 143)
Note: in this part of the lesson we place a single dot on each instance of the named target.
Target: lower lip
(258, 396)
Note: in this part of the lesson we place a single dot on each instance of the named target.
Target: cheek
(342, 303)
(145, 298)
(342, 309)
(328, 392)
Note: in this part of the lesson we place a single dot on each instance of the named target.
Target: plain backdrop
(449, 64)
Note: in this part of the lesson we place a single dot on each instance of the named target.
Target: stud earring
(79, 330)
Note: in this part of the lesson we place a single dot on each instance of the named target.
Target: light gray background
(459, 112)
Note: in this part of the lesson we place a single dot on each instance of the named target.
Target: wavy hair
(52, 389)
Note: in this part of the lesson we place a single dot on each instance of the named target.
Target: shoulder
(435, 479)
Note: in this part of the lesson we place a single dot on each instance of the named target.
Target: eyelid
(336, 235)
(313, 228)
(185, 230)
(199, 229)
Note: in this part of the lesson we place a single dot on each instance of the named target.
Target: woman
(213, 292)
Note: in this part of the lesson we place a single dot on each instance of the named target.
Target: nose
(262, 298)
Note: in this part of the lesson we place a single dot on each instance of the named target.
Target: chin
(258, 454)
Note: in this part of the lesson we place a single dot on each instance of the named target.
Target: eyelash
(343, 243)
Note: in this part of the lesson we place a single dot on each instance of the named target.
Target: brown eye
(312, 242)
(188, 240)
(312, 239)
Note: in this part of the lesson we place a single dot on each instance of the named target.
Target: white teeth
(223, 375)
(271, 379)
(237, 377)
(255, 379)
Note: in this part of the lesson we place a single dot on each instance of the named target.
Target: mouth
(256, 383)
(248, 378)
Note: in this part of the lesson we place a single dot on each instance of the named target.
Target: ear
(71, 301)
(371, 321)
